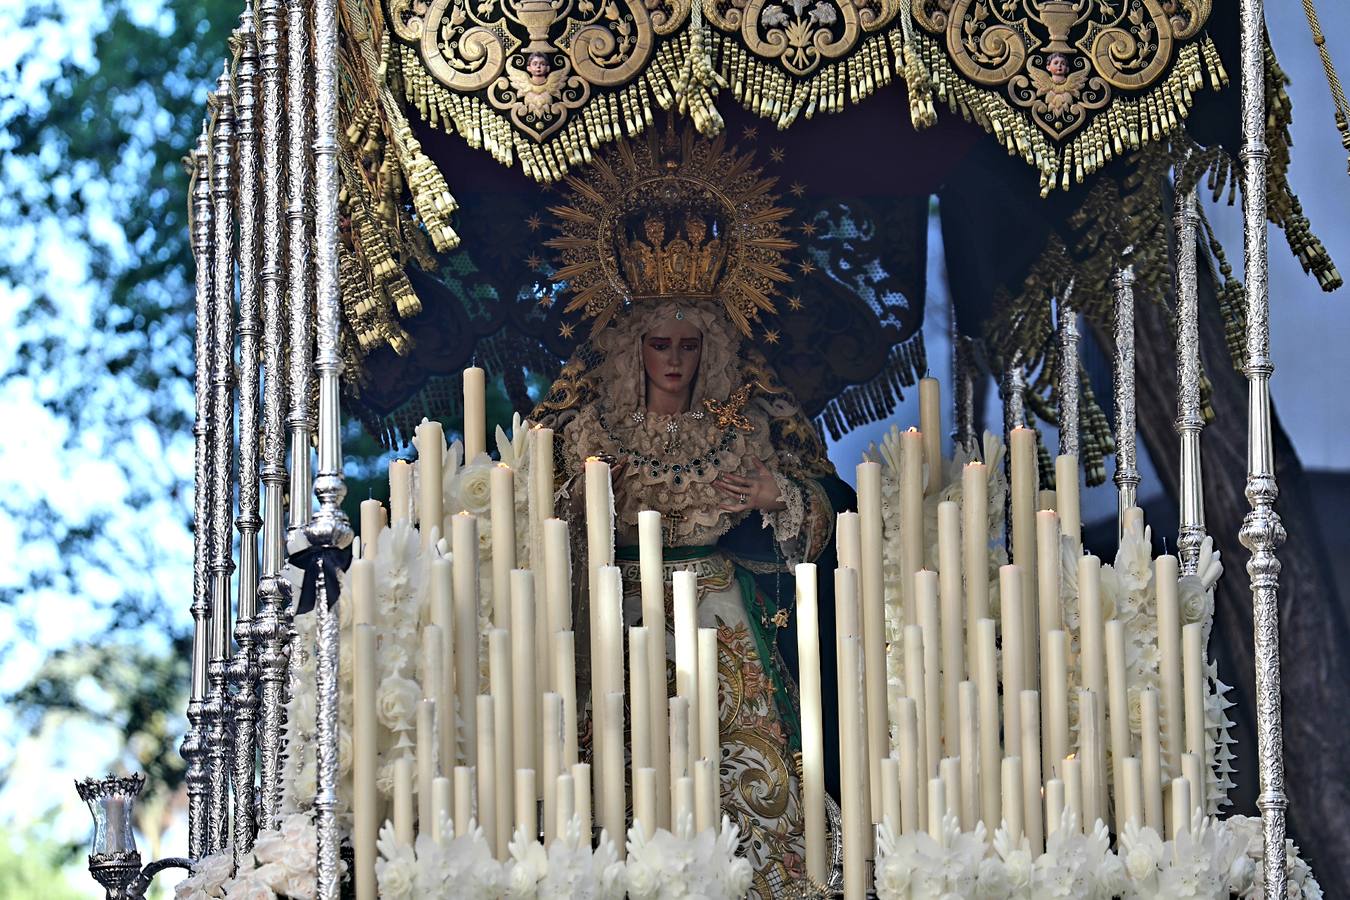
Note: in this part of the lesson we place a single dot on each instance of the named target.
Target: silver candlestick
(114, 861)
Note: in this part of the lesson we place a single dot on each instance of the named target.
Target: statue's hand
(745, 492)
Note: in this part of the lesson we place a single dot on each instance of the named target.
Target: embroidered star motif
(565, 330)
(798, 189)
(795, 303)
(770, 336)
(777, 154)
(749, 133)
(808, 228)
(534, 262)
(806, 268)
(728, 415)
(533, 222)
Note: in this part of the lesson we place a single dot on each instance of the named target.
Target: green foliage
(31, 867)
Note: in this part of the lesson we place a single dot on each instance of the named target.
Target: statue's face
(537, 65)
(670, 355)
(1057, 65)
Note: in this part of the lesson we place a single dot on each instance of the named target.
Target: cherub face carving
(537, 66)
(1058, 67)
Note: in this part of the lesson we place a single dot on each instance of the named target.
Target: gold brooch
(729, 415)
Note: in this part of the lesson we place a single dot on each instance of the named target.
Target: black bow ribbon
(328, 560)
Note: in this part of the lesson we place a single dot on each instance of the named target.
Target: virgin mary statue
(672, 249)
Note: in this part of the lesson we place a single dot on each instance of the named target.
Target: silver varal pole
(329, 528)
(1067, 388)
(963, 391)
(1189, 423)
(194, 743)
(1262, 532)
(222, 439)
(301, 288)
(243, 673)
(1127, 464)
(272, 624)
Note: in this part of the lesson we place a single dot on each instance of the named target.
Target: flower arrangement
(667, 866)
(449, 866)
(282, 865)
(1216, 859)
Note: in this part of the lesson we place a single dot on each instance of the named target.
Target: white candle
(654, 619)
(527, 809)
(1181, 806)
(488, 798)
(848, 540)
(705, 796)
(907, 735)
(499, 680)
(679, 743)
(1023, 506)
(599, 527)
(968, 704)
(551, 757)
(990, 752)
(1054, 805)
(890, 793)
(1057, 693)
(1066, 496)
(1193, 676)
(1131, 796)
(524, 684)
(709, 728)
(403, 800)
(1031, 771)
(464, 799)
(400, 491)
(848, 624)
(914, 687)
(1072, 773)
(937, 808)
(1150, 761)
(640, 710)
(872, 595)
(852, 744)
(464, 536)
(372, 516)
(606, 673)
(541, 490)
(362, 574)
(365, 760)
(911, 517)
(1194, 771)
(926, 597)
(564, 652)
(475, 414)
(443, 616)
(1133, 520)
(682, 802)
(949, 770)
(430, 468)
(813, 724)
(1012, 797)
(1092, 655)
(975, 548)
(644, 800)
(1014, 647)
(1048, 617)
(1118, 713)
(433, 688)
(684, 586)
(426, 763)
(581, 798)
(440, 806)
(949, 585)
(503, 499)
(930, 426)
(565, 791)
(1090, 752)
(1169, 659)
(557, 587)
(613, 798)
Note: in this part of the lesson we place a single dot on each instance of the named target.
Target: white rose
(395, 702)
(384, 779)
(474, 488)
(344, 751)
(300, 711)
(249, 886)
(642, 880)
(346, 662)
(1140, 864)
(302, 885)
(213, 871)
(305, 785)
(1197, 604)
(396, 878)
(1018, 867)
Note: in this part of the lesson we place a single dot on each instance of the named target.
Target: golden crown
(674, 216)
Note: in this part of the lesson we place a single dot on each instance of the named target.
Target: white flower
(1134, 559)
(1197, 601)
(396, 702)
(300, 711)
(396, 869)
(249, 885)
(473, 488)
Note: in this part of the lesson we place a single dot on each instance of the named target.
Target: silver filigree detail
(301, 294)
(1127, 464)
(1189, 423)
(1067, 373)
